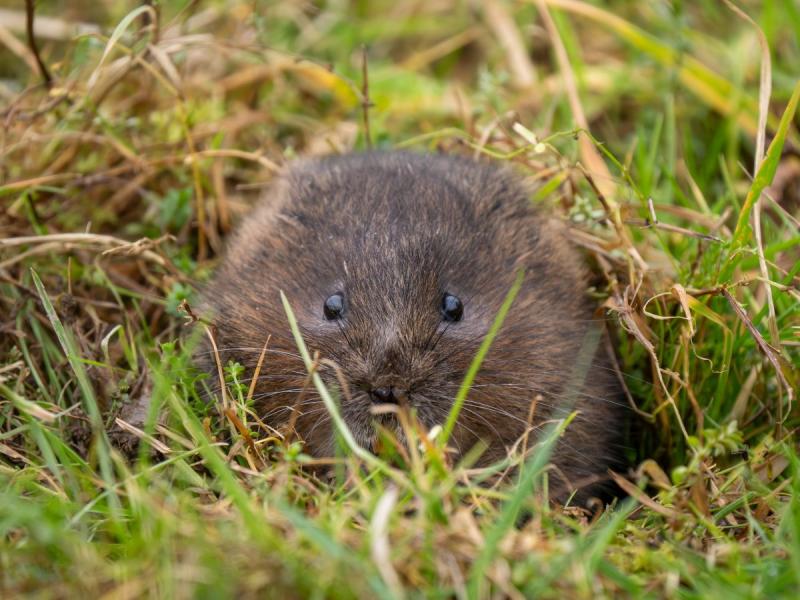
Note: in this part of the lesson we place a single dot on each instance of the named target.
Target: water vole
(396, 264)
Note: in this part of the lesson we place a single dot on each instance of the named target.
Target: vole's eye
(452, 309)
(334, 306)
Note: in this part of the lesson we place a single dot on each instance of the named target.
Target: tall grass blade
(88, 400)
(766, 172)
(330, 403)
(475, 365)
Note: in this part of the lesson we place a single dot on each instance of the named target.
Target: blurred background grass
(162, 124)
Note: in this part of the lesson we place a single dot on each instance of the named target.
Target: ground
(662, 133)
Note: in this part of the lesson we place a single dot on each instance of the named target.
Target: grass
(647, 126)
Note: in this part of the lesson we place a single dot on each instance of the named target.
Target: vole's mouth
(387, 432)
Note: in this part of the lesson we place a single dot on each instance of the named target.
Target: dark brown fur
(395, 231)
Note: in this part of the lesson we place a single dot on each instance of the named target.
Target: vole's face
(398, 339)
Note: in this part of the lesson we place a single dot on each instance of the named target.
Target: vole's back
(396, 265)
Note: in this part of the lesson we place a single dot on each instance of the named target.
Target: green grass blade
(511, 509)
(330, 403)
(215, 462)
(116, 35)
(475, 365)
(331, 547)
(766, 172)
(89, 402)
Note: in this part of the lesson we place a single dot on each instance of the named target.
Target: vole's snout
(387, 395)
(383, 395)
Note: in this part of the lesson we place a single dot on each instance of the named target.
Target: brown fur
(394, 231)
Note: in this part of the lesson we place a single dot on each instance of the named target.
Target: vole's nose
(383, 395)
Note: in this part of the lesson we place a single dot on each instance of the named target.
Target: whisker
(249, 349)
(274, 376)
(263, 395)
(290, 407)
(320, 421)
(548, 393)
(495, 410)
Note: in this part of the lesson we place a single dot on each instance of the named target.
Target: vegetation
(662, 131)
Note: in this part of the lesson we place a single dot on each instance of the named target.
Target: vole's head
(396, 267)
